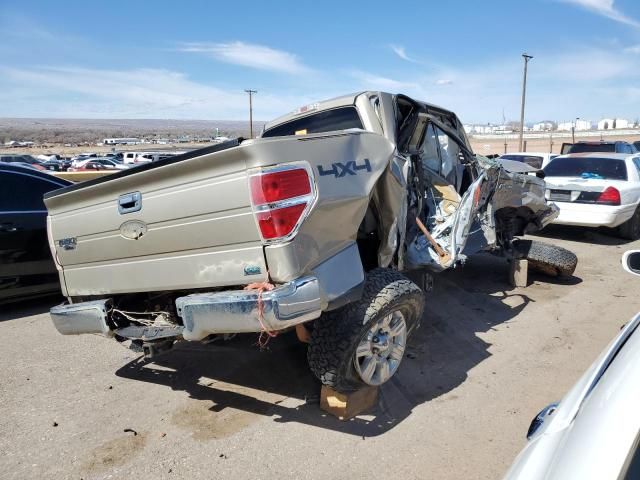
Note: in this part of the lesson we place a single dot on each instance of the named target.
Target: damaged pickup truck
(317, 225)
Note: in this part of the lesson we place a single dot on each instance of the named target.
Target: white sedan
(596, 190)
(594, 432)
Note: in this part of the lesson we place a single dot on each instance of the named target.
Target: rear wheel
(631, 228)
(364, 342)
(549, 259)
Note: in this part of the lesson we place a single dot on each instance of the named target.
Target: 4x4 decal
(339, 169)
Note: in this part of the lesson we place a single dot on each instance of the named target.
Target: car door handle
(129, 202)
(8, 227)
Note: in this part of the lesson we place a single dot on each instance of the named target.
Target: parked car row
(85, 161)
(594, 184)
(99, 163)
(145, 157)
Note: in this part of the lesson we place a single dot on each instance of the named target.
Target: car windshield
(593, 147)
(587, 167)
(328, 121)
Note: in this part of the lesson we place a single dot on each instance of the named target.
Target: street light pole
(251, 92)
(524, 93)
(573, 130)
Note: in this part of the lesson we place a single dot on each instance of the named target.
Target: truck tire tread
(549, 259)
(336, 333)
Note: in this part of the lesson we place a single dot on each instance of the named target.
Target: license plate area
(560, 195)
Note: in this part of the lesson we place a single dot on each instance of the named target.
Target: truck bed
(194, 228)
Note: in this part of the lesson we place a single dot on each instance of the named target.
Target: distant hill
(70, 130)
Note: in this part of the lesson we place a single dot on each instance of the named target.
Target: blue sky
(192, 60)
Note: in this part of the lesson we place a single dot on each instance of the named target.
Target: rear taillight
(610, 196)
(276, 186)
(281, 198)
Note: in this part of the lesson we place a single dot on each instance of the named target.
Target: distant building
(502, 129)
(580, 126)
(542, 127)
(15, 144)
(122, 141)
(613, 124)
(489, 129)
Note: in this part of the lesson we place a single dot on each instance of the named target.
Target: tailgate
(178, 224)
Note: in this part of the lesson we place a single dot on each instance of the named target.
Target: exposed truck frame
(323, 217)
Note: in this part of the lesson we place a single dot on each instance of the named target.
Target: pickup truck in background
(613, 146)
(317, 225)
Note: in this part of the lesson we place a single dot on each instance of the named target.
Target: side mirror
(631, 261)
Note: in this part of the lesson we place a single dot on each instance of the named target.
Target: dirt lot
(482, 146)
(551, 143)
(486, 359)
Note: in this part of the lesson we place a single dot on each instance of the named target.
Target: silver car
(594, 432)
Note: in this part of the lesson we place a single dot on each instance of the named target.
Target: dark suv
(601, 146)
(26, 267)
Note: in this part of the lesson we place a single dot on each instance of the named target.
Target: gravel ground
(487, 358)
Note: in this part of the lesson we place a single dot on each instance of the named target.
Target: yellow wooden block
(347, 405)
(519, 272)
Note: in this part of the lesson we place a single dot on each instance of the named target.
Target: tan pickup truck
(318, 225)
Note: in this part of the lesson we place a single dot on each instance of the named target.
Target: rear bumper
(235, 311)
(85, 317)
(589, 215)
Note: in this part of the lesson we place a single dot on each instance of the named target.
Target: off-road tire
(336, 334)
(548, 259)
(630, 229)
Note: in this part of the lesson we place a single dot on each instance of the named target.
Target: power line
(251, 93)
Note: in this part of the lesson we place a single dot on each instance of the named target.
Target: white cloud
(249, 55)
(73, 92)
(402, 53)
(633, 49)
(587, 82)
(607, 9)
(585, 65)
(377, 82)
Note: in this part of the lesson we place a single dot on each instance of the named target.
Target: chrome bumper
(550, 215)
(237, 311)
(85, 317)
(234, 311)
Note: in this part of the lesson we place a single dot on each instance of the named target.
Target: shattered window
(430, 156)
(449, 151)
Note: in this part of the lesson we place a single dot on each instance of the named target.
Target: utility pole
(251, 92)
(524, 94)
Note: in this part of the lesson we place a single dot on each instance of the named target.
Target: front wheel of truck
(364, 342)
